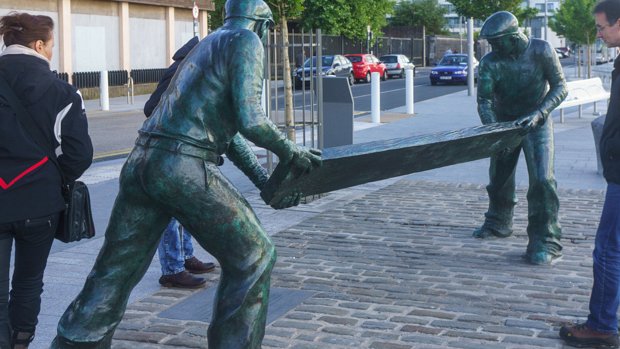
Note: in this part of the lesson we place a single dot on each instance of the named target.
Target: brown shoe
(182, 280)
(583, 336)
(195, 266)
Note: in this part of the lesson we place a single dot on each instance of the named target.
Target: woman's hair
(24, 28)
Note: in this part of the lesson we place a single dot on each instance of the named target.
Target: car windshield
(453, 60)
(326, 61)
(355, 59)
(389, 59)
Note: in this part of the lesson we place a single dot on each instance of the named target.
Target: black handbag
(76, 221)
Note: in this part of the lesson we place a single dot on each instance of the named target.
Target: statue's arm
(246, 74)
(242, 156)
(485, 94)
(557, 84)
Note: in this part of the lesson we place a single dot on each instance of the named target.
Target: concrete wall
(35, 7)
(94, 38)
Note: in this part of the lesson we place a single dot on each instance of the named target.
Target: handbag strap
(29, 124)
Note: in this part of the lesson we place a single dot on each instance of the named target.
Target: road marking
(112, 154)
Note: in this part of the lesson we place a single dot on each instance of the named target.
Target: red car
(365, 64)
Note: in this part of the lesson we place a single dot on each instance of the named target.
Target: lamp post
(546, 21)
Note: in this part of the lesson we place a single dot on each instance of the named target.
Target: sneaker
(182, 280)
(581, 336)
(195, 266)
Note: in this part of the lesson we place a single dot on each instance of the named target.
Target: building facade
(537, 27)
(95, 35)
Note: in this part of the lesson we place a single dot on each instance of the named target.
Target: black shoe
(583, 336)
(195, 266)
(182, 280)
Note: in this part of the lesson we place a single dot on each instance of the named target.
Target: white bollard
(409, 90)
(375, 97)
(104, 96)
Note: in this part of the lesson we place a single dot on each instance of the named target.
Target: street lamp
(546, 21)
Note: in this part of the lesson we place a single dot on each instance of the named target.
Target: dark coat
(178, 57)
(30, 184)
(610, 138)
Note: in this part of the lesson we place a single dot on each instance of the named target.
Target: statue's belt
(178, 147)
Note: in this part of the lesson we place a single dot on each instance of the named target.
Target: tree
(575, 22)
(216, 18)
(282, 10)
(418, 13)
(483, 9)
(346, 17)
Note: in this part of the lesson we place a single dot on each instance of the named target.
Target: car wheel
(433, 82)
(351, 80)
(384, 76)
(298, 86)
(402, 74)
(368, 77)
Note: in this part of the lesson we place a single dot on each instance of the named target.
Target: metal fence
(115, 77)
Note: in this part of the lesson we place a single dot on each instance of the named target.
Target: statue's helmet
(251, 9)
(499, 24)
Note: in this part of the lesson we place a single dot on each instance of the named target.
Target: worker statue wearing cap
(211, 106)
(521, 80)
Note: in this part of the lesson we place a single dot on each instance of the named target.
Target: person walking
(601, 327)
(213, 104)
(175, 250)
(522, 81)
(30, 184)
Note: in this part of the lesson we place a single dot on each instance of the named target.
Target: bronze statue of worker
(211, 105)
(521, 80)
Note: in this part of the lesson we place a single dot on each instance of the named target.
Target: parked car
(564, 52)
(452, 68)
(396, 65)
(332, 65)
(364, 64)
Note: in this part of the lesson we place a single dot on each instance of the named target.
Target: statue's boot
(543, 253)
(542, 257)
(492, 231)
(62, 343)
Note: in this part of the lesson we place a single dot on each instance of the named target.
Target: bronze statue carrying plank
(212, 103)
(521, 80)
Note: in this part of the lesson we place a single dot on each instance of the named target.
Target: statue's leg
(543, 228)
(224, 224)
(502, 198)
(130, 242)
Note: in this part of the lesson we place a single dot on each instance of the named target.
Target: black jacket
(610, 139)
(178, 57)
(29, 183)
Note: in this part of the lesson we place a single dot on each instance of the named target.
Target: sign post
(195, 13)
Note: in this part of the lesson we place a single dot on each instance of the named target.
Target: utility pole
(546, 21)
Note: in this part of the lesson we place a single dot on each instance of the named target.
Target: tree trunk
(589, 75)
(289, 117)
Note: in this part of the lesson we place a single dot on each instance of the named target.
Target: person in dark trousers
(176, 252)
(30, 183)
(601, 327)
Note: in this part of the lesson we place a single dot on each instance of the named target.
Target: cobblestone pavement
(397, 268)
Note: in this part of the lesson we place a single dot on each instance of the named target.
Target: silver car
(396, 65)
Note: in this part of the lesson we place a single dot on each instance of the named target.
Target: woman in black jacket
(30, 184)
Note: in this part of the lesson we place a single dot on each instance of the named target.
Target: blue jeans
(174, 250)
(606, 288)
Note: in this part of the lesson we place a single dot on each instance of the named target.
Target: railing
(144, 76)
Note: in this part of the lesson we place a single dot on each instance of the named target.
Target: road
(113, 134)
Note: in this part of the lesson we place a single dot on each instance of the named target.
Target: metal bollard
(130, 90)
(375, 97)
(409, 90)
(104, 96)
